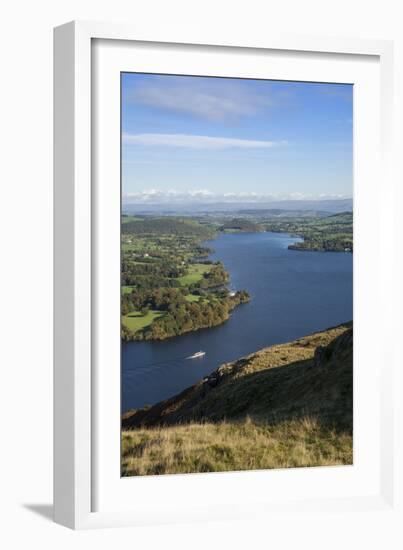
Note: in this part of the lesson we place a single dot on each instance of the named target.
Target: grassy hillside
(166, 226)
(240, 225)
(284, 406)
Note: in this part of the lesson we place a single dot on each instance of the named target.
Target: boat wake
(197, 355)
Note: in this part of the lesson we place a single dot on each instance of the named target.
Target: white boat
(197, 354)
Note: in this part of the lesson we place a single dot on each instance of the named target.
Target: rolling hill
(166, 226)
(284, 406)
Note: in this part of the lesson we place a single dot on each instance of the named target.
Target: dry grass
(280, 407)
(227, 446)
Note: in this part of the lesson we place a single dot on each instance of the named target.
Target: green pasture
(194, 274)
(126, 289)
(127, 219)
(136, 321)
(192, 298)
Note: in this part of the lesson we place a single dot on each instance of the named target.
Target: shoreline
(245, 333)
(222, 372)
(229, 302)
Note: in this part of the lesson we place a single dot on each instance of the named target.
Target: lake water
(293, 293)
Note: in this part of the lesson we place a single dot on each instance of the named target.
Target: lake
(293, 293)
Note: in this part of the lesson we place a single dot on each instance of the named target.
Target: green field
(192, 298)
(194, 275)
(126, 289)
(139, 246)
(135, 321)
(128, 219)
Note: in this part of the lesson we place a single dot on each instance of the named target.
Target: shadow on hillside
(319, 387)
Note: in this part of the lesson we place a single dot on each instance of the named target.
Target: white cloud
(189, 141)
(153, 196)
(159, 195)
(212, 100)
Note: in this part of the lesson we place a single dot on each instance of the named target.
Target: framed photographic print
(219, 235)
(218, 295)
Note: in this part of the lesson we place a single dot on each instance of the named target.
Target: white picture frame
(81, 429)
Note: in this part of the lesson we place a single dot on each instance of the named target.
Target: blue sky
(208, 139)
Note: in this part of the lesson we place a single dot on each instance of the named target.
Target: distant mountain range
(275, 208)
